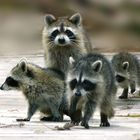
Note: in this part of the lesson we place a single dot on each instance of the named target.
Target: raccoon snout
(120, 78)
(78, 93)
(61, 40)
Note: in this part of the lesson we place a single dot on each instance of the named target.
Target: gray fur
(131, 74)
(44, 91)
(96, 68)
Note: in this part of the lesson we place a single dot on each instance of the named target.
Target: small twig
(67, 126)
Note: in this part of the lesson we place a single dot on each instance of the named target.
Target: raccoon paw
(23, 120)
(57, 119)
(132, 91)
(104, 124)
(85, 124)
(75, 123)
(49, 118)
(123, 97)
(76, 117)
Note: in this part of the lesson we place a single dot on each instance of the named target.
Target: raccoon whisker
(50, 43)
(83, 40)
(88, 96)
(74, 43)
(79, 41)
(131, 80)
(83, 32)
(52, 37)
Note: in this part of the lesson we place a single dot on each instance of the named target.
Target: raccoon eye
(29, 73)
(54, 34)
(88, 86)
(73, 84)
(70, 34)
(11, 82)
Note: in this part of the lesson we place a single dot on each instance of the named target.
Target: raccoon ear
(76, 19)
(23, 65)
(125, 65)
(71, 60)
(49, 19)
(97, 66)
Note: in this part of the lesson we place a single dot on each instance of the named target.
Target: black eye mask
(70, 34)
(73, 84)
(54, 34)
(86, 85)
(29, 73)
(120, 78)
(11, 82)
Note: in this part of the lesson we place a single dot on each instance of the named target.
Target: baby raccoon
(127, 69)
(44, 90)
(64, 37)
(91, 82)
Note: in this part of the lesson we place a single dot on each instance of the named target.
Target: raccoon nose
(120, 78)
(61, 40)
(78, 93)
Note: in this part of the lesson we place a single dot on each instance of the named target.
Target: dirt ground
(125, 124)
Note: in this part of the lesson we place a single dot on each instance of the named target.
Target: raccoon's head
(82, 81)
(62, 31)
(19, 75)
(122, 73)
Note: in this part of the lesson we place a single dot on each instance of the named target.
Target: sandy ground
(125, 124)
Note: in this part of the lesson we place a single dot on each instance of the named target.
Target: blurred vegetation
(113, 25)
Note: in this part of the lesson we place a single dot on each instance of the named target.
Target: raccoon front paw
(123, 97)
(49, 119)
(132, 91)
(76, 117)
(57, 119)
(23, 120)
(85, 124)
(104, 124)
(75, 123)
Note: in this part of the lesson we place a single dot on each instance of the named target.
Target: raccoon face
(122, 73)
(20, 74)
(81, 87)
(10, 84)
(62, 31)
(81, 83)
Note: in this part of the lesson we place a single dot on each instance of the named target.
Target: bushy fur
(95, 86)
(127, 69)
(57, 55)
(43, 89)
